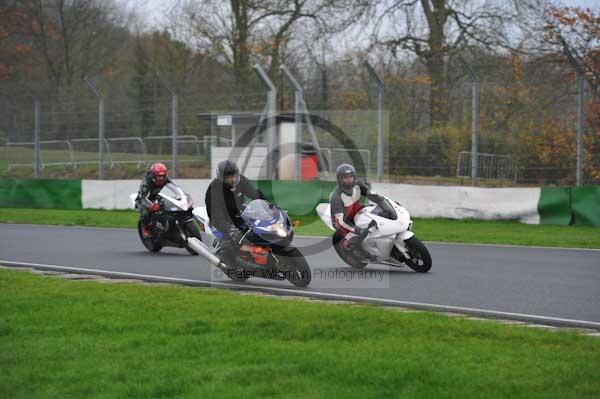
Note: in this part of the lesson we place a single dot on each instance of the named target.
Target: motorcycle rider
(224, 200)
(345, 204)
(154, 180)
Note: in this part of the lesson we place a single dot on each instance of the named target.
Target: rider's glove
(235, 234)
(154, 207)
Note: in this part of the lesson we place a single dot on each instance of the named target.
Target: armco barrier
(40, 193)
(585, 205)
(554, 206)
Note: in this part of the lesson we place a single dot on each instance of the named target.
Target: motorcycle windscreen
(385, 210)
(170, 190)
(260, 210)
(173, 199)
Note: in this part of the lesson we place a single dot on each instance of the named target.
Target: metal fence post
(298, 95)
(474, 121)
(580, 126)
(36, 131)
(380, 104)
(36, 135)
(174, 120)
(301, 111)
(100, 96)
(270, 113)
(475, 131)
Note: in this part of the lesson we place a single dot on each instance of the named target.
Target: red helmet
(158, 173)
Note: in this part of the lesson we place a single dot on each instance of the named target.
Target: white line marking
(510, 246)
(69, 226)
(322, 237)
(422, 305)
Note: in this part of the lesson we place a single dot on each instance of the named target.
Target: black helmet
(228, 168)
(345, 170)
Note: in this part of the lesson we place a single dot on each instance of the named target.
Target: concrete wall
(459, 202)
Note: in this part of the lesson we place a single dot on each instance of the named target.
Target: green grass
(87, 217)
(20, 155)
(67, 339)
(484, 232)
(26, 154)
(445, 230)
(507, 232)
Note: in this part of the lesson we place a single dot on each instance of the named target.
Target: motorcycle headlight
(277, 228)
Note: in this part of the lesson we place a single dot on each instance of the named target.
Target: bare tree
(434, 30)
(576, 32)
(239, 31)
(75, 38)
(562, 34)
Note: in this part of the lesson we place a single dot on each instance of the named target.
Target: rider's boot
(229, 252)
(354, 246)
(146, 233)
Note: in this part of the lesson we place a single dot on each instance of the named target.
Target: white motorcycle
(174, 224)
(390, 238)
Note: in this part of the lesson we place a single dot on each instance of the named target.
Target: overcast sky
(153, 11)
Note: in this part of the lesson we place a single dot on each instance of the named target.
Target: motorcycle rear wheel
(239, 276)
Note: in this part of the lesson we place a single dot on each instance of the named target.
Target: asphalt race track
(559, 286)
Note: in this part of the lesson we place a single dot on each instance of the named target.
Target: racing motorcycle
(264, 250)
(389, 238)
(173, 224)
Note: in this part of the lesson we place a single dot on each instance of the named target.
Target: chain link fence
(527, 122)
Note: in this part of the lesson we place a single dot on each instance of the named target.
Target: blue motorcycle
(265, 249)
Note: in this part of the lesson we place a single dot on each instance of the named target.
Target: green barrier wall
(585, 205)
(298, 198)
(40, 193)
(570, 205)
(554, 206)
(560, 206)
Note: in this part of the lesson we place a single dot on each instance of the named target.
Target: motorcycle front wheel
(295, 266)
(150, 243)
(420, 259)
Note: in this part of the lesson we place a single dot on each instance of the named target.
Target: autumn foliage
(15, 47)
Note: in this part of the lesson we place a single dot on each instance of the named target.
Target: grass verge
(445, 230)
(88, 340)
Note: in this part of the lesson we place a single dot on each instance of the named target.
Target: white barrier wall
(457, 202)
(257, 163)
(114, 194)
(107, 194)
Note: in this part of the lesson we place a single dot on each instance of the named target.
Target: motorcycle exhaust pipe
(201, 249)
